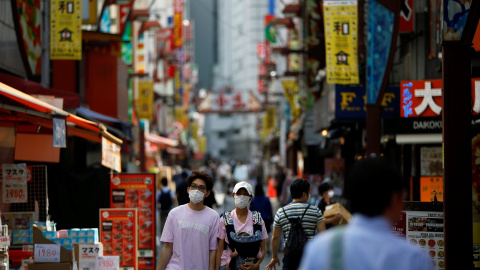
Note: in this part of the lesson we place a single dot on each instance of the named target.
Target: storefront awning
(160, 141)
(38, 112)
(124, 131)
(70, 99)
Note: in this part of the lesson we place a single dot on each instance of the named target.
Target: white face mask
(196, 196)
(331, 193)
(241, 201)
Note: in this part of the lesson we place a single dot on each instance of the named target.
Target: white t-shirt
(193, 234)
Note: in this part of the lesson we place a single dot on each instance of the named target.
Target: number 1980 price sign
(46, 253)
(107, 263)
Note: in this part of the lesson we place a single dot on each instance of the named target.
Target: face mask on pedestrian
(241, 201)
(331, 193)
(195, 196)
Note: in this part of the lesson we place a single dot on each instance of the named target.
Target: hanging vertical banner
(29, 21)
(145, 100)
(178, 49)
(406, 16)
(379, 38)
(341, 29)
(65, 30)
(123, 11)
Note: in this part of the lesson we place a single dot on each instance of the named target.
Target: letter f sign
(347, 98)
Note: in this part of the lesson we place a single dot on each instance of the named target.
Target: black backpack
(296, 240)
(165, 201)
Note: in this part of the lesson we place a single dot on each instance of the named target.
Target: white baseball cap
(244, 185)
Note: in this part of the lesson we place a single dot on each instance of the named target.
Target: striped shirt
(295, 210)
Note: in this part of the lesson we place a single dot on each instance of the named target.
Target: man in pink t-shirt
(190, 233)
(243, 223)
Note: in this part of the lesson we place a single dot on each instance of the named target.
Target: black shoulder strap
(285, 213)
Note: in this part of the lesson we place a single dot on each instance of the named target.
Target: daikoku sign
(424, 98)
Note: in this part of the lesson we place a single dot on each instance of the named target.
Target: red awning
(38, 112)
(162, 142)
(70, 100)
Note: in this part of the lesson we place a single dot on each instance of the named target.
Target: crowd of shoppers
(197, 237)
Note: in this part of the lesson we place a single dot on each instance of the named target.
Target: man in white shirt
(375, 192)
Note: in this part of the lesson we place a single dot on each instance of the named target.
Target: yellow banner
(181, 116)
(194, 130)
(202, 144)
(341, 42)
(145, 100)
(290, 88)
(65, 30)
(271, 117)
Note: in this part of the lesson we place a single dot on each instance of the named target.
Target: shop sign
(65, 30)
(351, 101)
(111, 155)
(406, 16)
(137, 191)
(341, 32)
(431, 161)
(424, 98)
(431, 187)
(123, 11)
(118, 232)
(177, 23)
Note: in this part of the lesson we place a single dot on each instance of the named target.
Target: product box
(335, 208)
(51, 266)
(18, 220)
(65, 254)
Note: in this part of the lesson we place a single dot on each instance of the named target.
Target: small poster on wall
(431, 161)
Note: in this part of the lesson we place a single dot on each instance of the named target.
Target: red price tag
(5, 241)
(107, 263)
(47, 253)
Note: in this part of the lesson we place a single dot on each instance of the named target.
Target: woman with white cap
(241, 234)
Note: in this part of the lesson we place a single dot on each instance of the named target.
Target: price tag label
(4, 241)
(16, 193)
(15, 172)
(47, 253)
(88, 251)
(107, 263)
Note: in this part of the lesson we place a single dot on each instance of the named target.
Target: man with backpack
(165, 198)
(298, 222)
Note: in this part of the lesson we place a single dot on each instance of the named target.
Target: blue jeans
(223, 267)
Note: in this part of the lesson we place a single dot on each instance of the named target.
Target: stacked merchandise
(20, 226)
(68, 238)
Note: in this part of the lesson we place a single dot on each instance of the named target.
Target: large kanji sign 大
(424, 98)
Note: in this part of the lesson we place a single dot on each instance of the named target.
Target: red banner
(137, 191)
(118, 232)
(123, 11)
(406, 16)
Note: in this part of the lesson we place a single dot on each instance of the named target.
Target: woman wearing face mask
(190, 232)
(241, 234)
(326, 190)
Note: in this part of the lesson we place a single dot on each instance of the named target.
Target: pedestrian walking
(261, 203)
(298, 212)
(376, 195)
(327, 193)
(242, 233)
(190, 233)
(182, 187)
(165, 199)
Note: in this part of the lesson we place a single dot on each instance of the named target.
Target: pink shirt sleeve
(167, 234)
(222, 233)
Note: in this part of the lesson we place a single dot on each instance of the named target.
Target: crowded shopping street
(247, 134)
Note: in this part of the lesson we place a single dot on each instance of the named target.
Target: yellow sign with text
(145, 100)
(341, 42)
(65, 30)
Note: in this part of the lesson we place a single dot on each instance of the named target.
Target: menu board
(137, 191)
(422, 225)
(118, 234)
